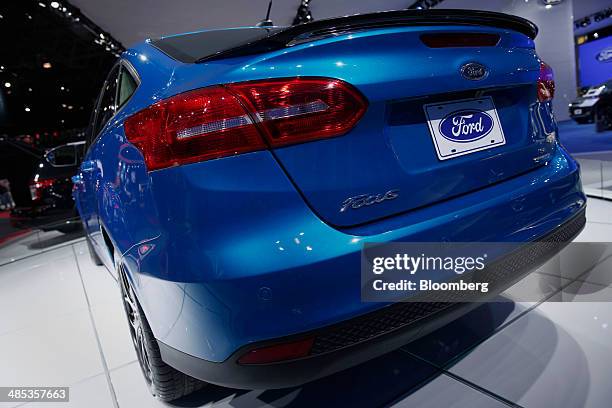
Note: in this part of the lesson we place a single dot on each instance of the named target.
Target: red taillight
(300, 110)
(36, 187)
(453, 40)
(194, 126)
(546, 83)
(279, 352)
(226, 120)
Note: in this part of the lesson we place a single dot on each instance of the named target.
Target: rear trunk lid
(444, 117)
(391, 162)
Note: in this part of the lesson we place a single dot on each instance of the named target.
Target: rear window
(192, 47)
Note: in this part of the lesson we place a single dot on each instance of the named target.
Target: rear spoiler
(280, 37)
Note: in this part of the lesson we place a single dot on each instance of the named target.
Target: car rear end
(269, 166)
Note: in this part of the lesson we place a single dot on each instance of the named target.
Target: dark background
(52, 65)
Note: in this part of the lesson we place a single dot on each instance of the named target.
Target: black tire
(603, 119)
(582, 121)
(92, 253)
(165, 383)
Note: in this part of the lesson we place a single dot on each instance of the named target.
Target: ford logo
(605, 55)
(466, 125)
(474, 71)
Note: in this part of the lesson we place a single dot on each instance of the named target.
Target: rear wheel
(582, 121)
(164, 382)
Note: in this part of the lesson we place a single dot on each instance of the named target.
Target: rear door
(90, 169)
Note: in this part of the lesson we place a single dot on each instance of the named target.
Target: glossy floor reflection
(61, 323)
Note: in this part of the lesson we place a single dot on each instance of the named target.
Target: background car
(53, 207)
(603, 111)
(593, 106)
(581, 109)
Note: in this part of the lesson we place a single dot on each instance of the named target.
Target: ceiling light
(54, 4)
(27, 109)
(46, 65)
(101, 35)
(42, 4)
(7, 84)
(62, 88)
(596, 35)
(548, 6)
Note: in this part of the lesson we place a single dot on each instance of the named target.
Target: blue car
(233, 176)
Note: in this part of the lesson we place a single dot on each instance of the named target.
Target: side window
(106, 108)
(62, 156)
(127, 86)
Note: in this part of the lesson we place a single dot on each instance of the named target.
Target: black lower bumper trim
(360, 339)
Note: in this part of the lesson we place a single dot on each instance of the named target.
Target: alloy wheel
(136, 324)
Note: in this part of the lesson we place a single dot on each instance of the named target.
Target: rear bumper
(346, 344)
(211, 288)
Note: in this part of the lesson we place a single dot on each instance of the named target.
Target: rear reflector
(37, 187)
(450, 40)
(546, 83)
(279, 352)
(221, 121)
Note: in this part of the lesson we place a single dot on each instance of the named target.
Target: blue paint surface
(251, 247)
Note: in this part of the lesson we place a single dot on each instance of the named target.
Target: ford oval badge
(474, 71)
(604, 55)
(466, 125)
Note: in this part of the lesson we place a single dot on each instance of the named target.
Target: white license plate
(464, 127)
(577, 111)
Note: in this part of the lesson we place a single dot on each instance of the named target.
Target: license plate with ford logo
(464, 127)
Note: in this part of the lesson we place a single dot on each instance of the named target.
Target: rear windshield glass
(192, 47)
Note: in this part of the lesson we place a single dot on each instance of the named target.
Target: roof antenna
(267, 22)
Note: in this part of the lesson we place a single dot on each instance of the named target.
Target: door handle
(88, 166)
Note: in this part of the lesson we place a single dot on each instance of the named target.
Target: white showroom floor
(61, 323)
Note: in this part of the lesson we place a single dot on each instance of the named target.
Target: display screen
(595, 60)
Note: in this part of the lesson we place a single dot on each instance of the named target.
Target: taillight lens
(37, 187)
(546, 83)
(194, 126)
(221, 121)
(301, 110)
